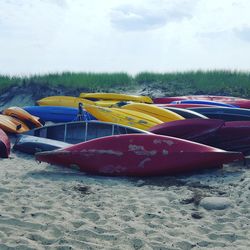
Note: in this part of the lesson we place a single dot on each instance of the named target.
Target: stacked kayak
(4, 145)
(115, 97)
(203, 102)
(236, 101)
(12, 125)
(65, 101)
(30, 120)
(58, 113)
(157, 112)
(138, 155)
(123, 116)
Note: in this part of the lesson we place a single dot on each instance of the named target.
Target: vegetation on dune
(191, 82)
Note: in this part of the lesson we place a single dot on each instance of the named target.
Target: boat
(224, 113)
(186, 113)
(123, 116)
(57, 114)
(32, 144)
(198, 130)
(4, 145)
(184, 105)
(138, 155)
(76, 132)
(12, 125)
(234, 135)
(30, 120)
(237, 101)
(213, 103)
(65, 101)
(157, 112)
(116, 97)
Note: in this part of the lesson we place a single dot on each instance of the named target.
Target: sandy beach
(49, 207)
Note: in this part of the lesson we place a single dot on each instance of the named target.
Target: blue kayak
(58, 113)
(221, 104)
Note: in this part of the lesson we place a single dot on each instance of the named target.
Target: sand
(49, 207)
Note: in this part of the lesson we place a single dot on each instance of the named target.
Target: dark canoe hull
(4, 145)
(57, 113)
(226, 114)
(198, 130)
(139, 155)
(32, 144)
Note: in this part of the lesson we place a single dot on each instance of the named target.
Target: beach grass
(210, 82)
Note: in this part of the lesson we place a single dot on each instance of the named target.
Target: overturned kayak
(116, 97)
(152, 110)
(65, 101)
(32, 144)
(213, 103)
(123, 116)
(30, 120)
(58, 113)
(138, 155)
(225, 113)
(191, 129)
(12, 125)
(4, 145)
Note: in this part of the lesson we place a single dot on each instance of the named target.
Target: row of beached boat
(129, 135)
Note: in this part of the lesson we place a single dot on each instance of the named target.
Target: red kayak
(237, 101)
(4, 145)
(234, 136)
(139, 155)
(197, 129)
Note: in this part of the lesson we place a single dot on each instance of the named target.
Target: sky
(46, 36)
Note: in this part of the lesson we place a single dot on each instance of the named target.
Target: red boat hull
(237, 101)
(139, 155)
(4, 145)
(191, 129)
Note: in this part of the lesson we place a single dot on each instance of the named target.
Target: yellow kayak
(24, 116)
(12, 125)
(117, 97)
(65, 101)
(157, 112)
(107, 103)
(122, 116)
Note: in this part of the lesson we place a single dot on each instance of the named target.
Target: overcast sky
(41, 36)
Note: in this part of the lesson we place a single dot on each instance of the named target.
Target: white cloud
(125, 35)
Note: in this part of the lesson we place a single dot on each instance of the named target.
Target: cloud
(153, 16)
(243, 33)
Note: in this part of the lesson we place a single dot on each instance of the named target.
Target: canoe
(116, 96)
(4, 145)
(123, 116)
(157, 112)
(107, 103)
(32, 144)
(76, 132)
(237, 101)
(138, 155)
(65, 101)
(224, 113)
(57, 113)
(12, 125)
(30, 120)
(197, 130)
(219, 104)
(186, 113)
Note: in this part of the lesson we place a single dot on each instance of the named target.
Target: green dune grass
(209, 82)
